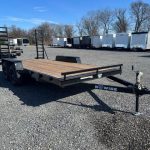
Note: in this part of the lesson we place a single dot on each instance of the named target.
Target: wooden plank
(57, 69)
(43, 71)
(52, 68)
(66, 64)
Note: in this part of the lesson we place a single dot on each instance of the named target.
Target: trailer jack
(137, 89)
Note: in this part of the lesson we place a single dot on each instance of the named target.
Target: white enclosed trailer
(14, 42)
(140, 40)
(55, 41)
(108, 41)
(96, 42)
(62, 42)
(122, 40)
(19, 42)
(59, 42)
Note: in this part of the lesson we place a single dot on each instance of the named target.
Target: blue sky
(30, 13)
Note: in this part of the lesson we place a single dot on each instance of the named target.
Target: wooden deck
(54, 69)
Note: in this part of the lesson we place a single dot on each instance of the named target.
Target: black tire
(5, 68)
(13, 76)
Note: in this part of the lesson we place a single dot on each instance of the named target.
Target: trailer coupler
(137, 89)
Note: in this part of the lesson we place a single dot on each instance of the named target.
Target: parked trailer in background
(55, 41)
(108, 41)
(76, 42)
(59, 42)
(65, 42)
(22, 42)
(62, 42)
(69, 42)
(122, 40)
(140, 40)
(19, 42)
(13, 42)
(85, 42)
(96, 42)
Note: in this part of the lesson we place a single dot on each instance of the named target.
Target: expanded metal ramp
(4, 43)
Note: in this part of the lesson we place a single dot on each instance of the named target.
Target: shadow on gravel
(100, 107)
(36, 94)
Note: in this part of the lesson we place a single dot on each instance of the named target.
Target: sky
(31, 13)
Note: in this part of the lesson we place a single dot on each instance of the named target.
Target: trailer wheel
(14, 79)
(5, 68)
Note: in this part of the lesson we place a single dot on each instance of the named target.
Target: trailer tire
(5, 68)
(14, 79)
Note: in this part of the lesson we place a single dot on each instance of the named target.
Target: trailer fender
(12, 70)
(5, 69)
(18, 66)
(14, 76)
(17, 63)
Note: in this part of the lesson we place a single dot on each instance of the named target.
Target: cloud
(39, 9)
(35, 21)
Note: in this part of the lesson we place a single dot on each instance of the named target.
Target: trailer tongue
(137, 89)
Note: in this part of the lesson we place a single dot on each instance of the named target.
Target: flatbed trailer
(67, 71)
(58, 72)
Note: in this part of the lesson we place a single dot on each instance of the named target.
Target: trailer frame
(15, 72)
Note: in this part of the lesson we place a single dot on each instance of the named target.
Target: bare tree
(140, 12)
(80, 28)
(68, 31)
(146, 25)
(121, 24)
(106, 18)
(58, 30)
(89, 24)
(47, 32)
(16, 32)
(31, 35)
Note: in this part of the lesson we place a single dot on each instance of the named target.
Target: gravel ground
(41, 116)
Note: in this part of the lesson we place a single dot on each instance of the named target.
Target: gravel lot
(41, 116)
